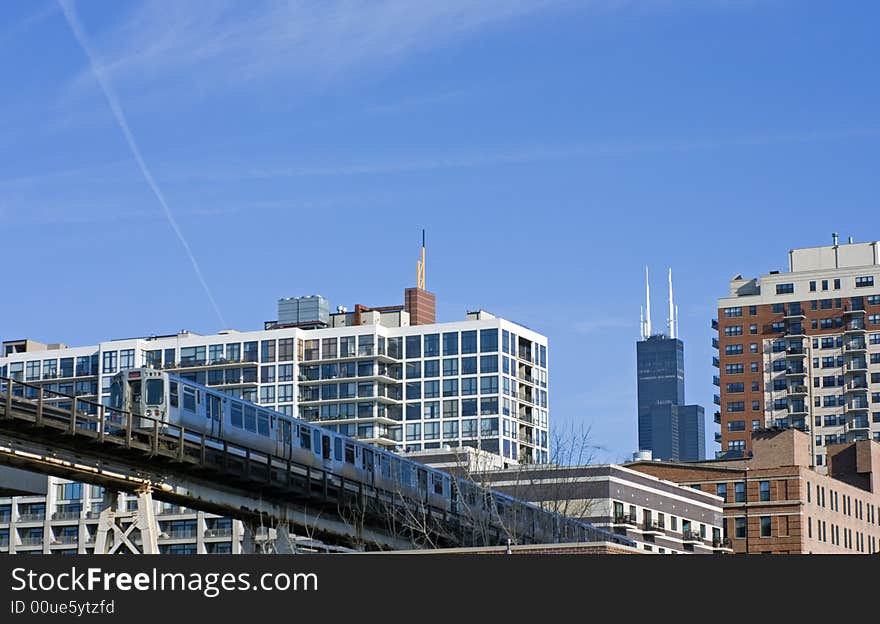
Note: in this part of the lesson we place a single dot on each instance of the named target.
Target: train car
(157, 398)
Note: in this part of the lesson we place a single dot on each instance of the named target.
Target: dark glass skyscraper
(668, 428)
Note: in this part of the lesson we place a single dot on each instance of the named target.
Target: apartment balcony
(795, 372)
(526, 438)
(858, 424)
(856, 366)
(179, 535)
(218, 533)
(857, 407)
(715, 343)
(526, 378)
(796, 333)
(31, 541)
(32, 517)
(65, 539)
(718, 436)
(716, 380)
(854, 328)
(66, 515)
(798, 410)
(795, 353)
(525, 354)
(798, 390)
(715, 324)
(652, 527)
(717, 418)
(715, 362)
(722, 545)
(855, 347)
(795, 314)
(716, 399)
(691, 537)
(859, 312)
(861, 386)
(626, 520)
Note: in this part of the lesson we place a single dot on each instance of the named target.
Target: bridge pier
(115, 528)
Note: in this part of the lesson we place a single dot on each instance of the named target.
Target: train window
(250, 418)
(349, 452)
(263, 424)
(423, 479)
(405, 474)
(316, 441)
(337, 449)
(173, 386)
(189, 399)
(155, 391)
(438, 484)
(305, 437)
(236, 419)
(325, 446)
(368, 459)
(386, 467)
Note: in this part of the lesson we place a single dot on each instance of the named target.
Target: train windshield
(116, 394)
(155, 392)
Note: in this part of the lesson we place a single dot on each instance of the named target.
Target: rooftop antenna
(671, 321)
(420, 267)
(834, 237)
(646, 322)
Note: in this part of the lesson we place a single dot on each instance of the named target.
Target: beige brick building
(774, 503)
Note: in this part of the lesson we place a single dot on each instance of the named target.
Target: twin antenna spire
(645, 313)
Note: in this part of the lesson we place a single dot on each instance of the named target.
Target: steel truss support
(115, 528)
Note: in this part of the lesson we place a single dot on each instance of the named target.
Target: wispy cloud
(223, 42)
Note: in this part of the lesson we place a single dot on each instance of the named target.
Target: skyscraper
(801, 348)
(668, 428)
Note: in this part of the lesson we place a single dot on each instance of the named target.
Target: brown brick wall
(421, 306)
(764, 317)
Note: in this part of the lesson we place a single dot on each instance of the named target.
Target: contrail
(113, 102)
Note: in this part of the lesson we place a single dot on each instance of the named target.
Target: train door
(213, 414)
(326, 449)
(316, 444)
(368, 465)
(423, 481)
(285, 437)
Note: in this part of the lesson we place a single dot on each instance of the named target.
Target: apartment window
(753, 328)
(736, 406)
(450, 343)
(110, 359)
(733, 330)
(837, 284)
(784, 289)
(739, 527)
(739, 492)
(735, 387)
(764, 489)
(753, 310)
(862, 282)
(432, 345)
(733, 369)
(469, 342)
(765, 526)
(812, 286)
(721, 490)
(732, 312)
(756, 424)
(735, 349)
(488, 340)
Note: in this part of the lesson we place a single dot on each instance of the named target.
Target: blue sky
(551, 149)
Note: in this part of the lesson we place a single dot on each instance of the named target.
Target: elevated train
(153, 395)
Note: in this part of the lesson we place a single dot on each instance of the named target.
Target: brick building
(802, 349)
(775, 503)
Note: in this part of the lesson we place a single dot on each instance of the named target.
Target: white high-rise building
(481, 382)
